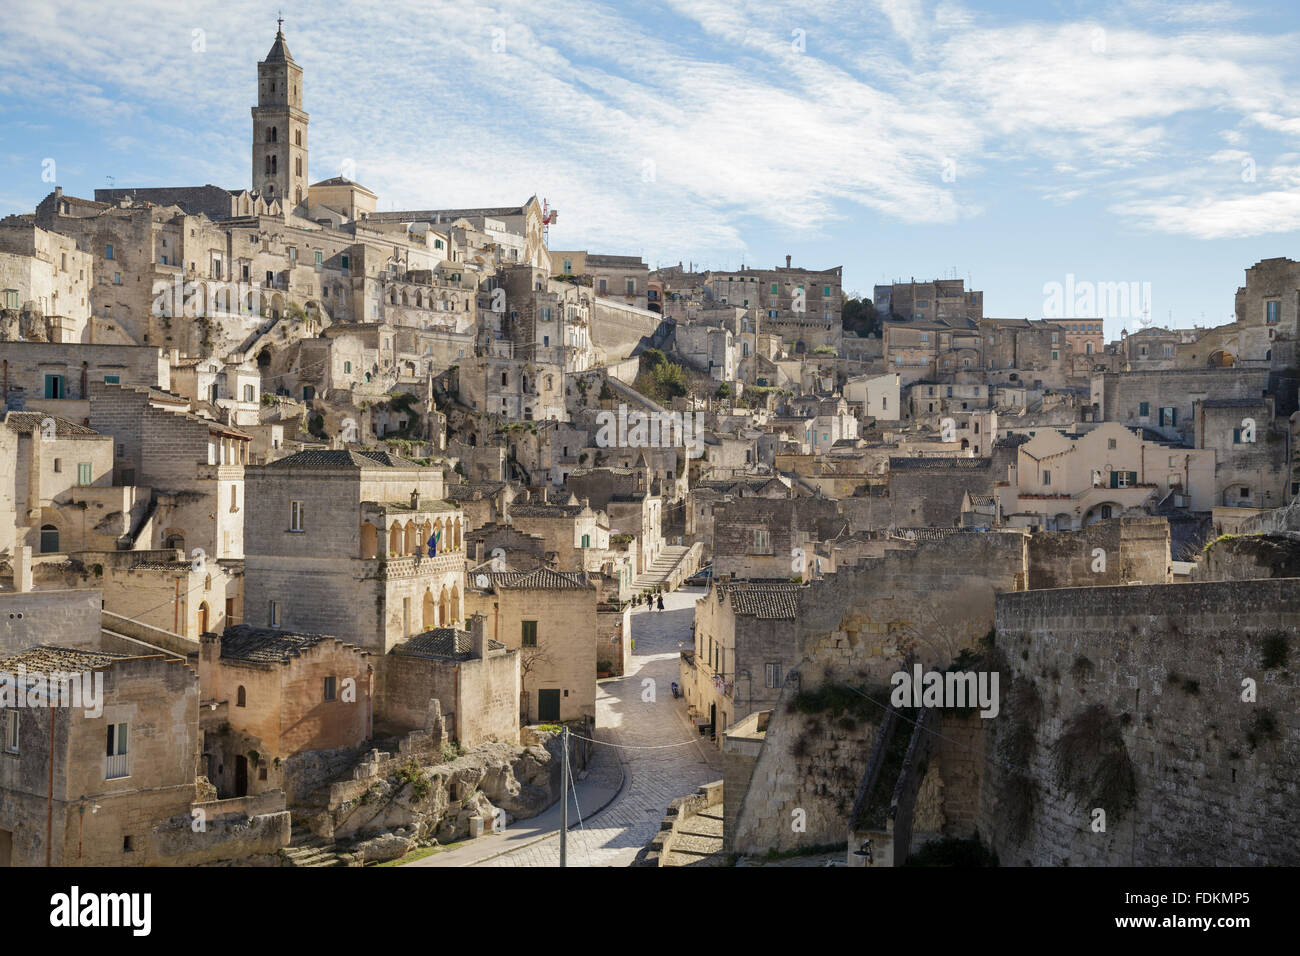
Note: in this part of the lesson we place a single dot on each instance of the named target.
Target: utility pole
(564, 804)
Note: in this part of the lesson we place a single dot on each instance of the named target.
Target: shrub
(1090, 761)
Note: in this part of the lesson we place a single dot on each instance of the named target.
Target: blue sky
(1009, 143)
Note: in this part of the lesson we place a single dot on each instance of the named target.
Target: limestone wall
(1213, 778)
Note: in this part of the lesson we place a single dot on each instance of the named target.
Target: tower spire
(279, 25)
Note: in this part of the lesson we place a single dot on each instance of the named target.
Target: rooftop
(265, 645)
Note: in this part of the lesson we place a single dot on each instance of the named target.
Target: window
(11, 731)
(11, 298)
(117, 278)
(826, 290)
(631, 287)
(118, 735)
(347, 368)
(54, 386)
(108, 251)
(1110, 443)
(320, 259)
(1144, 409)
(762, 541)
(1169, 416)
(1273, 311)
(241, 697)
(49, 539)
(528, 634)
(343, 263)
(83, 473)
(1047, 477)
(330, 688)
(112, 379)
(295, 515)
(586, 541)
(771, 675)
(274, 615)
(250, 393)
(1056, 356)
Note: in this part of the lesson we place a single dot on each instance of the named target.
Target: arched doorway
(203, 618)
(49, 539)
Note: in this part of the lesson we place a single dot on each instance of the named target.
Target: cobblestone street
(635, 714)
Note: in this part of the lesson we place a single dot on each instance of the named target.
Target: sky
(1014, 145)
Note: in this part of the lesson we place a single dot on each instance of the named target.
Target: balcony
(117, 766)
(410, 566)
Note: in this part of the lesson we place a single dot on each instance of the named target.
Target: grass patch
(418, 854)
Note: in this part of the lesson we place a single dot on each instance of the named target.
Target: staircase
(307, 849)
(660, 568)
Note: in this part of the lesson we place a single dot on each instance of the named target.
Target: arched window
(49, 539)
(241, 698)
(271, 135)
(297, 137)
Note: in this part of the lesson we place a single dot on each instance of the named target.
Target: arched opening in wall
(264, 358)
(444, 607)
(241, 697)
(439, 537)
(411, 538)
(458, 544)
(473, 440)
(455, 604)
(965, 443)
(308, 393)
(203, 618)
(428, 615)
(1102, 512)
(1221, 358)
(49, 539)
(369, 541)
(174, 539)
(426, 532)
(395, 540)
(800, 348)
(212, 393)
(1062, 522)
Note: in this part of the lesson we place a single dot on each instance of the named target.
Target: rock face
(410, 801)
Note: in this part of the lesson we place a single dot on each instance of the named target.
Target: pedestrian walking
(661, 602)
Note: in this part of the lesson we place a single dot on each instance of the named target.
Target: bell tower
(280, 128)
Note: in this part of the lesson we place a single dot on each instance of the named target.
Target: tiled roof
(544, 511)
(939, 464)
(773, 602)
(26, 422)
(466, 490)
(51, 658)
(265, 645)
(341, 458)
(161, 566)
(443, 642)
(541, 579)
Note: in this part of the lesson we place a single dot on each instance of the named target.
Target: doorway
(241, 776)
(548, 705)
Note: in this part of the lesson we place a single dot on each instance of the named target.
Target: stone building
(474, 679)
(741, 651)
(359, 545)
(549, 617)
(194, 467)
(269, 695)
(45, 273)
(1061, 481)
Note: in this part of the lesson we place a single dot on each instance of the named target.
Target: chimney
(22, 569)
(787, 262)
(478, 635)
